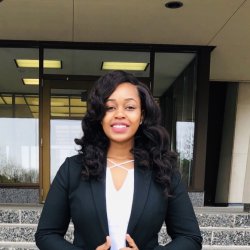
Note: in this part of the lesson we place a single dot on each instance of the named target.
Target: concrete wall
(240, 169)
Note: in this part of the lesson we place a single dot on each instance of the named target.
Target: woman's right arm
(181, 222)
(55, 216)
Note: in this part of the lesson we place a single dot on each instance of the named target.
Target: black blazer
(83, 202)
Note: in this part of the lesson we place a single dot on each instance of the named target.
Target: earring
(141, 122)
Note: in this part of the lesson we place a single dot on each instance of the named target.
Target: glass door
(67, 107)
(63, 107)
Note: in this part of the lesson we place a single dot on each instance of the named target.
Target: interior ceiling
(220, 23)
(168, 66)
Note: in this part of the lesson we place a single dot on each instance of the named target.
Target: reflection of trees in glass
(185, 139)
(185, 145)
(11, 172)
(186, 166)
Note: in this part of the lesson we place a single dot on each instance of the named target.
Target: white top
(119, 204)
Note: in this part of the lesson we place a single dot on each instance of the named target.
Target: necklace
(120, 165)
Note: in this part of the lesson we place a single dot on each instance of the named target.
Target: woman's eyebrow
(110, 100)
(126, 99)
(130, 99)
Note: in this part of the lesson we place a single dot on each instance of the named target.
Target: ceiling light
(35, 114)
(34, 109)
(7, 99)
(59, 114)
(32, 100)
(1, 100)
(174, 4)
(27, 63)
(19, 100)
(31, 81)
(59, 101)
(124, 66)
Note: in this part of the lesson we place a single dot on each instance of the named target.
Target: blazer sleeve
(181, 222)
(55, 216)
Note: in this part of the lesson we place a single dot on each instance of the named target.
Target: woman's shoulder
(72, 164)
(75, 160)
(69, 174)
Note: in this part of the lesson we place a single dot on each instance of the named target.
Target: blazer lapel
(142, 181)
(98, 191)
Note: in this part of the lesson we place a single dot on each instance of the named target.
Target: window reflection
(178, 109)
(67, 111)
(19, 139)
(67, 106)
(62, 145)
(184, 102)
(184, 146)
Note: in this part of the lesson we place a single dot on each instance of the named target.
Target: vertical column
(201, 117)
(246, 194)
(239, 181)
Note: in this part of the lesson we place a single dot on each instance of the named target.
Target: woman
(123, 185)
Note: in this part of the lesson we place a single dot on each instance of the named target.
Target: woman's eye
(110, 108)
(130, 108)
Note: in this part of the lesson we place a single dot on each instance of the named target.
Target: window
(19, 109)
(19, 138)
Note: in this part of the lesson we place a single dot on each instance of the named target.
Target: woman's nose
(119, 113)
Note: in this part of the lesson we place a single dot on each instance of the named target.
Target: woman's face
(123, 114)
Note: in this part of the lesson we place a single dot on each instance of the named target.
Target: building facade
(202, 92)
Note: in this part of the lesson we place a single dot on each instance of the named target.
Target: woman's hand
(131, 243)
(106, 245)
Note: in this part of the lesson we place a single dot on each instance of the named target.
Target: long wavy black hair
(151, 143)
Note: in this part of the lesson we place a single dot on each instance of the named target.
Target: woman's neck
(120, 152)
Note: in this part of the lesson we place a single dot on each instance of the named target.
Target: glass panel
(19, 100)
(19, 161)
(76, 115)
(60, 114)
(33, 104)
(79, 110)
(19, 142)
(19, 150)
(6, 110)
(7, 99)
(34, 109)
(32, 100)
(1, 100)
(77, 102)
(65, 126)
(35, 114)
(60, 110)
(58, 102)
(185, 123)
(175, 85)
(21, 108)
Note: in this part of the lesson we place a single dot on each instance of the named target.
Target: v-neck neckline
(111, 181)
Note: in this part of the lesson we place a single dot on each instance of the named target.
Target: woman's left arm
(181, 222)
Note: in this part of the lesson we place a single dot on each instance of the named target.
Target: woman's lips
(119, 128)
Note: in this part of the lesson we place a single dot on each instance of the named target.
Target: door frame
(53, 82)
